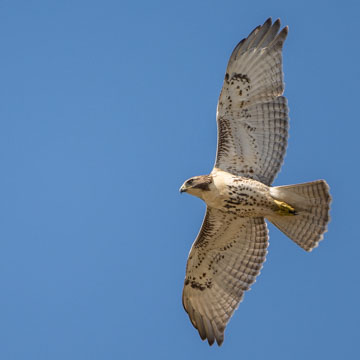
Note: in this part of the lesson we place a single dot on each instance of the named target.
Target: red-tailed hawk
(229, 251)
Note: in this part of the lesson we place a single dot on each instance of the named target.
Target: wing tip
(207, 329)
(268, 21)
(265, 35)
(282, 35)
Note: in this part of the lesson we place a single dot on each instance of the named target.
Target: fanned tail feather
(311, 202)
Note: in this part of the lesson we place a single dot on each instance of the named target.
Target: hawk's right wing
(224, 261)
(252, 115)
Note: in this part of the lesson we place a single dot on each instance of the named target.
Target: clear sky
(106, 108)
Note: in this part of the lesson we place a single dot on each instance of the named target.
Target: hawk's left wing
(224, 261)
(252, 115)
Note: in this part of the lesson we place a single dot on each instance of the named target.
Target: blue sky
(106, 108)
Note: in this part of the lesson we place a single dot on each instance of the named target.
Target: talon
(284, 208)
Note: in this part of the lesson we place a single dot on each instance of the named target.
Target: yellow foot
(284, 208)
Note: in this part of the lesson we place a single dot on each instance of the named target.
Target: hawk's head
(197, 185)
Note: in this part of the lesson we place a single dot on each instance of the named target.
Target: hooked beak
(182, 189)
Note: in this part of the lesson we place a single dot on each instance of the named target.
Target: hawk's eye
(189, 182)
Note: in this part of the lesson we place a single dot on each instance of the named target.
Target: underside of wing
(252, 114)
(223, 262)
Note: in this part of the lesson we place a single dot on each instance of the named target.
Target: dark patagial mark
(206, 230)
(224, 136)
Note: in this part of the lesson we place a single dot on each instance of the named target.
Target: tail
(310, 203)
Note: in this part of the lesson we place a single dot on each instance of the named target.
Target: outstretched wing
(224, 261)
(252, 115)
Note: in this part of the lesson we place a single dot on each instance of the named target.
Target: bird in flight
(252, 119)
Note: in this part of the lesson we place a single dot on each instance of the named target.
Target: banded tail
(311, 203)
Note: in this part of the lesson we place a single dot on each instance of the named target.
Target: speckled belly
(245, 197)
